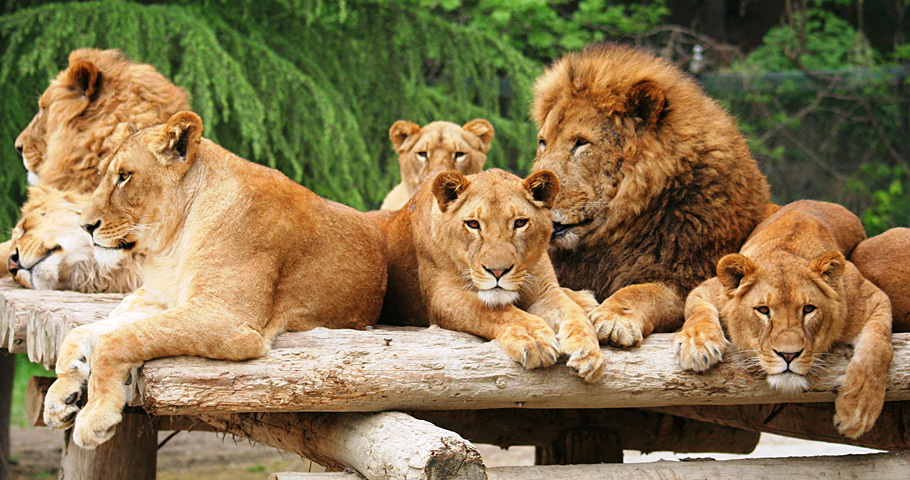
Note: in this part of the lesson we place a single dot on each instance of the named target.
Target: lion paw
(531, 347)
(698, 351)
(95, 425)
(615, 328)
(584, 355)
(858, 405)
(64, 399)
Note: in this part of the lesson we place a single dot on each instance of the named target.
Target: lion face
(784, 312)
(136, 206)
(47, 245)
(84, 113)
(495, 226)
(439, 146)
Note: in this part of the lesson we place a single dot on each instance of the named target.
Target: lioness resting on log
(235, 253)
(470, 254)
(438, 146)
(657, 185)
(787, 297)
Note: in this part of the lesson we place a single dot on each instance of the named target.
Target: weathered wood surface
(811, 421)
(378, 446)
(131, 454)
(638, 429)
(881, 466)
(435, 369)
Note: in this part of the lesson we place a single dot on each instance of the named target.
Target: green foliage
(309, 87)
(24, 370)
(886, 186)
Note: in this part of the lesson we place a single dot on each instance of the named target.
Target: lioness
(85, 110)
(437, 147)
(470, 254)
(236, 253)
(48, 250)
(885, 261)
(657, 185)
(787, 297)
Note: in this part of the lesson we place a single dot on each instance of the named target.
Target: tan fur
(48, 250)
(449, 243)
(786, 298)
(435, 148)
(885, 260)
(87, 110)
(201, 216)
(657, 185)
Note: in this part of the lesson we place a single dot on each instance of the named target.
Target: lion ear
(732, 268)
(447, 186)
(829, 265)
(647, 101)
(400, 132)
(484, 131)
(86, 77)
(543, 186)
(183, 132)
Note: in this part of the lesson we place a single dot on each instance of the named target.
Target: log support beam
(130, 455)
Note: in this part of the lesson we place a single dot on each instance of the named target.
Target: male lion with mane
(657, 185)
(469, 253)
(786, 299)
(85, 111)
(235, 253)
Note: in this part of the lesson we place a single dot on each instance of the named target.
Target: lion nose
(19, 148)
(498, 272)
(91, 228)
(13, 264)
(788, 357)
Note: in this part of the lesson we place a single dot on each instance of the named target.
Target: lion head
(85, 112)
(494, 227)
(785, 310)
(137, 205)
(48, 250)
(437, 147)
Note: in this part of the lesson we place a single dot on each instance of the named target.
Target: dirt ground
(210, 456)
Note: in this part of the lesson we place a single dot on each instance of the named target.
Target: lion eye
(460, 156)
(541, 145)
(578, 144)
(123, 177)
(808, 309)
(763, 310)
(521, 222)
(472, 224)
(422, 156)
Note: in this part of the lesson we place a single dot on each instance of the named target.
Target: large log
(812, 421)
(882, 466)
(436, 369)
(379, 446)
(638, 429)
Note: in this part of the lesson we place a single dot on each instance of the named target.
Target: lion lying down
(48, 250)
(470, 254)
(235, 253)
(789, 296)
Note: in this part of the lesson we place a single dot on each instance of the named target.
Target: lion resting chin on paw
(470, 254)
(657, 185)
(788, 296)
(235, 253)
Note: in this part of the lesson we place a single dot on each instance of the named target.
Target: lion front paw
(64, 399)
(584, 355)
(858, 404)
(617, 326)
(532, 347)
(699, 350)
(95, 425)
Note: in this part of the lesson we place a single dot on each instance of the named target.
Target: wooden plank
(811, 421)
(881, 466)
(379, 446)
(435, 369)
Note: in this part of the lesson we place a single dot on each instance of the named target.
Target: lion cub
(470, 254)
(788, 296)
(437, 147)
(235, 253)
